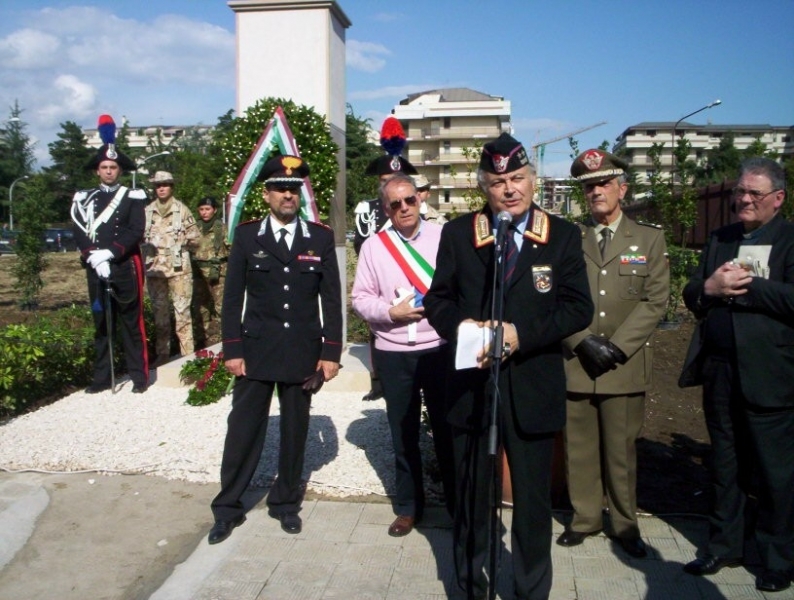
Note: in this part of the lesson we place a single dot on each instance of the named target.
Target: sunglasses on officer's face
(409, 201)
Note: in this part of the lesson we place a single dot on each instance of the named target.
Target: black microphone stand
(498, 293)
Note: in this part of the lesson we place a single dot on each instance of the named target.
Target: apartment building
(440, 125)
(638, 139)
(139, 136)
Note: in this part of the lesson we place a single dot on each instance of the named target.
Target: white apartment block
(139, 137)
(638, 139)
(439, 125)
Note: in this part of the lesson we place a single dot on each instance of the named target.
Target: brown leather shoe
(403, 525)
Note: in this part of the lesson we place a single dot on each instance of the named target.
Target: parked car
(59, 240)
(7, 241)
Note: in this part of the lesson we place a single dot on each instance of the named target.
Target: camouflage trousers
(207, 304)
(180, 289)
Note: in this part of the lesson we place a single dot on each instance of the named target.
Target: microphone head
(504, 216)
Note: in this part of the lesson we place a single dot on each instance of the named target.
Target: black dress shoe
(223, 529)
(139, 388)
(570, 538)
(633, 546)
(375, 392)
(96, 388)
(773, 581)
(710, 564)
(290, 522)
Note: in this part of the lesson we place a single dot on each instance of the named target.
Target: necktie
(511, 254)
(282, 242)
(606, 233)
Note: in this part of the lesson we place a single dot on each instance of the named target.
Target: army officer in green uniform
(609, 364)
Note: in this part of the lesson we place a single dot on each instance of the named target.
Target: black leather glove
(314, 382)
(617, 353)
(595, 356)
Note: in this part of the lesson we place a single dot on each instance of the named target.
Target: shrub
(44, 358)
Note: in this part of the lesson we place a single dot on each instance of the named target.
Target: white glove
(103, 270)
(99, 256)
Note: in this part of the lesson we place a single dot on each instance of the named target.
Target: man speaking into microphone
(546, 299)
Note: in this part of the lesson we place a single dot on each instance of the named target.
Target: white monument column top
(293, 50)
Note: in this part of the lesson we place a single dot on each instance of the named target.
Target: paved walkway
(345, 552)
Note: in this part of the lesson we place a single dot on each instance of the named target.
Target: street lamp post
(672, 147)
(140, 163)
(11, 201)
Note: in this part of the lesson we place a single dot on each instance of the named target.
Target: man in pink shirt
(394, 270)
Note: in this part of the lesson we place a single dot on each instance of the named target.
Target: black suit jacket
(548, 299)
(763, 319)
(280, 334)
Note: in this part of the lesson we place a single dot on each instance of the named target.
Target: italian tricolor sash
(416, 268)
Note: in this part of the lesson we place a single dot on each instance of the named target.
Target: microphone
(504, 218)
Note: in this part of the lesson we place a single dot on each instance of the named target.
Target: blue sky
(563, 65)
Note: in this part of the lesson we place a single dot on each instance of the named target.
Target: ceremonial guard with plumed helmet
(108, 226)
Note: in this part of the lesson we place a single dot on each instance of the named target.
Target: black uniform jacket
(548, 299)
(271, 313)
(122, 233)
(763, 318)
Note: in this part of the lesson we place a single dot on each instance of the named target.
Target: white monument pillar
(296, 49)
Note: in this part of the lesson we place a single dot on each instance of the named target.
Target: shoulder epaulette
(538, 225)
(137, 194)
(362, 207)
(80, 195)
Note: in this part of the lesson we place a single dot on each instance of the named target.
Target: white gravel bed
(348, 452)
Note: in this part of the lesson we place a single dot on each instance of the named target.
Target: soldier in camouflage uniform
(171, 234)
(209, 274)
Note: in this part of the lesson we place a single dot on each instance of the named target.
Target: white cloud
(76, 100)
(365, 56)
(28, 49)
(71, 64)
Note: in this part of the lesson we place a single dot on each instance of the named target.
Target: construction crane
(540, 147)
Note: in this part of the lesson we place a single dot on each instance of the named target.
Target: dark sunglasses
(409, 201)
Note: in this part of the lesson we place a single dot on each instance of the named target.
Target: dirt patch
(672, 476)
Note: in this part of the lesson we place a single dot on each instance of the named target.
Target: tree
(360, 151)
(197, 169)
(68, 172)
(788, 204)
(474, 196)
(575, 187)
(16, 153)
(32, 215)
(312, 135)
(721, 163)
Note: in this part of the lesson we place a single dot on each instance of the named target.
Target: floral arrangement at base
(208, 376)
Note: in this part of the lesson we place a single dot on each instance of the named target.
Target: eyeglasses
(739, 192)
(409, 201)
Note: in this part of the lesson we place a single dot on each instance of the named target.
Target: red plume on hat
(392, 136)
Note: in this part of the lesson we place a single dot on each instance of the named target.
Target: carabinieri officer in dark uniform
(109, 222)
(273, 337)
